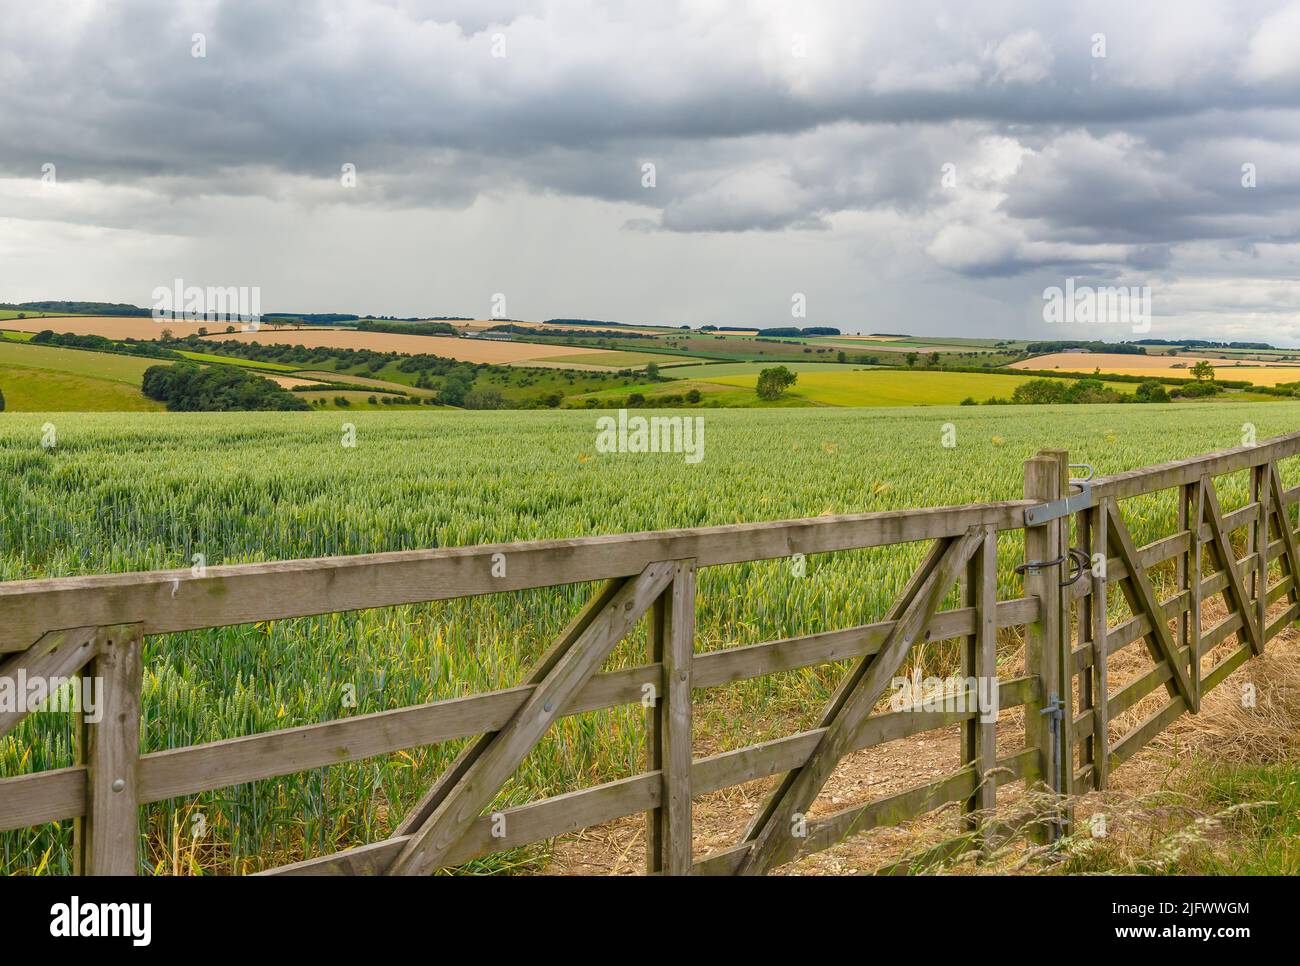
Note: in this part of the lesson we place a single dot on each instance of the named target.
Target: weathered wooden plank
(514, 827)
(754, 660)
(233, 761)
(107, 836)
(43, 796)
(56, 656)
(595, 606)
(1168, 548)
(980, 661)
(1228, 563)
(1280, 622)
(1147, 601)
(1042, 638)
(1194, 500)
(1160, 719)
(853, 704)
(1085, 618)
(1060, 645)
(1140, 687)
(673, 638)
(1218, 633)
(1220, 671)
(1291, 557)
(657, 620)
(1259, 484)
(1101, 648)
(428, 846)
(832, 829)
(890, 810)
(175, 600)
(554, 816)
(1151, 478)
(895, 612)
(1137, 689)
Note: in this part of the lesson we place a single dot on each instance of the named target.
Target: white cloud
(1023, 58)
(1274, 51)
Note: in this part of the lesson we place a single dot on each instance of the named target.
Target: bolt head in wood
(119, 785)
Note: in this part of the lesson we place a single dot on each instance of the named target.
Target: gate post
(668, 724)
(106, 840)
(1043, 482)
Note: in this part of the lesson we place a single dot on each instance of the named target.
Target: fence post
(107, 838)
(1086, 622)
(1064, 644)
(1042, 637)
(668, 725)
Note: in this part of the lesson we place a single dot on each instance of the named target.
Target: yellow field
(109, 326)
(466, 350)
(890, 387)
(1130, 365)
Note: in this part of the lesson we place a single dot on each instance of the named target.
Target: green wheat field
(123, 492)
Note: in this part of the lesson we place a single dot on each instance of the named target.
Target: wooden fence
(60, 626)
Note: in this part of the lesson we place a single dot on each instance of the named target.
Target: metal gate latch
(1055, 509)
(1055, 710)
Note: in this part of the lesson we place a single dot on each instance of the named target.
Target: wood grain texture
(1236, 596)
(56, 656)
(554, 816)
(428, 846)
(175, 600)
(853, 705)
(1144, 601)
(108, 835)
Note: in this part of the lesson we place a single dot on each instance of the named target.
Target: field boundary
(1077, 551)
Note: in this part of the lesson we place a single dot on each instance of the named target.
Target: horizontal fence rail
(1072, 715)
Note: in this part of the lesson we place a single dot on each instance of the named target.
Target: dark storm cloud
(758, 118)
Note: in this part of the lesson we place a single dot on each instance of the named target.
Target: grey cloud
(1066, 162)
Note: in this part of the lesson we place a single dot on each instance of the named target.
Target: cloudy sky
(906, 166)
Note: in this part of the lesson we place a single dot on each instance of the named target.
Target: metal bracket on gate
(1055, 509)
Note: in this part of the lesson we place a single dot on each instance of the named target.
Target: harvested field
(112, 327)
(1115, 362)
(466, 350)
(324, 375)
(620, 360)
(288, 382)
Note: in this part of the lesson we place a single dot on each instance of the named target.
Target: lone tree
(772, 383)
(1151, 391)
(1038, 392)
(1202, 370)
(911, 358)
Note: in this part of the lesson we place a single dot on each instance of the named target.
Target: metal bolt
(118, 785)
(546, 706)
